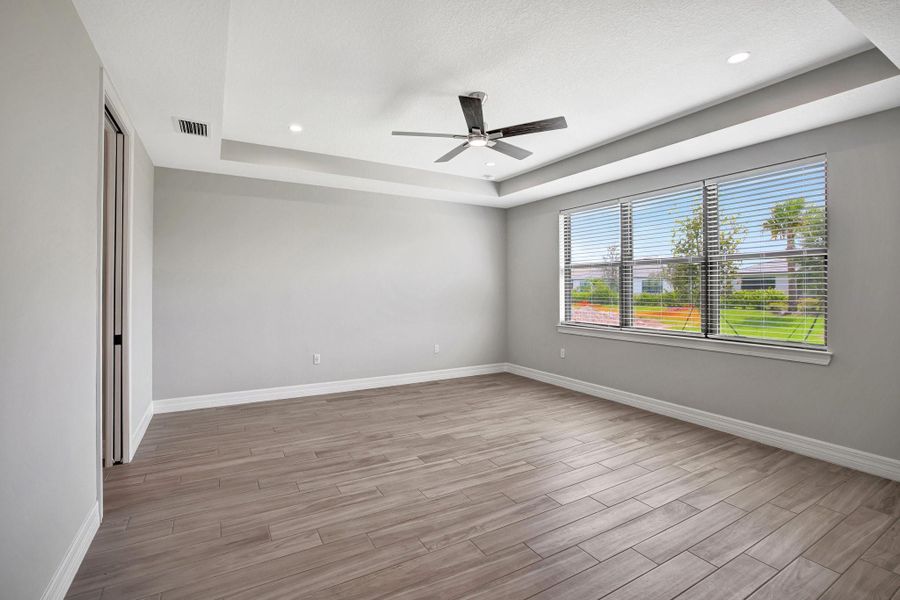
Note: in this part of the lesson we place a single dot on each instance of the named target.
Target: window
(593, 267)
(741, 258)
(772, 225)
(657, 255)
(749, 281)
(653, 285)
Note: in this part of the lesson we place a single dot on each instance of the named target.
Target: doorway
(113, 290)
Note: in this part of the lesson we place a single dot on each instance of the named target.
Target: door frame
(114, 271)
(110, 99)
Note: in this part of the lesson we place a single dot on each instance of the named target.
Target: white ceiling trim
(814, 99)
(854, 87)
(234, 150)
(855, 103)
(243, 66)
(879, 20)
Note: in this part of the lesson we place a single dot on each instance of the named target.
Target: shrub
(810, 305)
(774, 300)
(595, 291)
(661, 299)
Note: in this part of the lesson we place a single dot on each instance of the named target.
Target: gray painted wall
(855, 401)
(141, 343)
(252, 277)
(50, 119)
(49, 305)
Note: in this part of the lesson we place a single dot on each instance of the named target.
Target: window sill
(815, 357)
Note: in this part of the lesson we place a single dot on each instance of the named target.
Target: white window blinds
(771, 272)
(742, 257)
(668, 257)
(593, 239)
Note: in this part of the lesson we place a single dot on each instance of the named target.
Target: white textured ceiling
(351, 71)
(351, 75)
(879, 20)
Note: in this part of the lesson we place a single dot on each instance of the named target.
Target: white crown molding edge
(65, 572)
(875, 464)
(314, 389)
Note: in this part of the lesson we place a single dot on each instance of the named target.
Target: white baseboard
(68, 567)
(841, 455)
(138, 434)
(315, 389)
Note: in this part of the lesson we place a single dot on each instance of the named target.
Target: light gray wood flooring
(492, 487)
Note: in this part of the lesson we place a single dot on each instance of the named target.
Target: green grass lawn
(772, 326)
(741, 322)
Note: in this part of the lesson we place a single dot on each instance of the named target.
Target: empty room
(449, 299)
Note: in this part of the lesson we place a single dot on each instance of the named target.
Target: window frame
(710, 337)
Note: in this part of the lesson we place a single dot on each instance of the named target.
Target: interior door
(113, 290)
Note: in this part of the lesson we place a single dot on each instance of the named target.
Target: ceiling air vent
(192, 127)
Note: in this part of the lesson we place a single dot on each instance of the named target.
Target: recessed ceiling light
(738, 58)
(295, 128)
(488, 176)
(489, 164)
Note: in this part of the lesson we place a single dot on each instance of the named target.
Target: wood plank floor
(492, 487)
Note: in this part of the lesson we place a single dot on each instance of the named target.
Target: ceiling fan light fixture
(478, 136)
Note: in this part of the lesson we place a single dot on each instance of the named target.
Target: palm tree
(786, 223)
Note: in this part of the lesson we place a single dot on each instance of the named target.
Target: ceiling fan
(478, 137)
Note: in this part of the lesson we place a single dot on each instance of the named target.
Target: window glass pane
(595, 295)
(756, 282)
(667, 297)
(667, 293)
(764, 274)
(784, 210)
(792, 309)
(668, 225)
(595, 235)
(773, 235)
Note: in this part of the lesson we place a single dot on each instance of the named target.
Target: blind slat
(741, 257)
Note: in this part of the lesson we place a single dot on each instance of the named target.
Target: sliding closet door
(113, 291)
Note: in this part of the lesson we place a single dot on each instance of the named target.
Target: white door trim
(110, 97)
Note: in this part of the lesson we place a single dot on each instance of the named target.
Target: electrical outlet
(437, 348)
(317, 358)
(562, 352)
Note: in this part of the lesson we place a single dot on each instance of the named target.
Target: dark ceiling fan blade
(453, 152)
(510, 150)
(533, 127)
(471, 108)
(435, 135)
